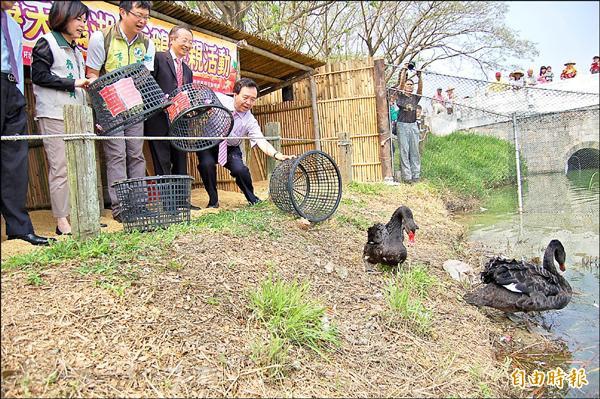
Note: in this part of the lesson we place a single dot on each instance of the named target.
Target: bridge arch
(594, 145)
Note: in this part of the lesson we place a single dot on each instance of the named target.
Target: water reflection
(565, 208)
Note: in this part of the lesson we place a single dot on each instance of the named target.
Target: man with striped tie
(228, 153)
(170, 73)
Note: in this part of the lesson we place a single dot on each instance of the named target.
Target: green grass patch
(288, 313)
(261, 218)
(468, 164)
(360, 222)
(272, 355)
(367, 188)
(405, 294)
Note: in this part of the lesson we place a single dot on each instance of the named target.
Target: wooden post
(383, 125)
(273, 129)
(345, 156)
(315, 112)
(81, 169)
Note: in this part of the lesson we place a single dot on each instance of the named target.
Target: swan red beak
(562, 267)
(411, 237)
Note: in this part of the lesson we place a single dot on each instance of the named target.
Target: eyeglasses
(138, 16)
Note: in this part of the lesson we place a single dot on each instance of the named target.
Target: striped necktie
(222, 159)
(179, 73)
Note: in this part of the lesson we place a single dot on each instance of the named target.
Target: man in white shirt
(228, 153)
(126, 44)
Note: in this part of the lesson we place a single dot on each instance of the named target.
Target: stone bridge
(549, 141)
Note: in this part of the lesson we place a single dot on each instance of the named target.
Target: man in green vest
(109, 49)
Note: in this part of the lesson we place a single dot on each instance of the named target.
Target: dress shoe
(32, 238)
(103, 225)
(60, 233)
(213, 205)
(255, 202)
(194, 208)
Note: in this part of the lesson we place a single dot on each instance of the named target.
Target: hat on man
(439, 89)
(569, 63)
(498, 74)
(596, 57)
(450, 88)
(518, 72)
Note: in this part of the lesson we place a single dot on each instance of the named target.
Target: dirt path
(183, 328)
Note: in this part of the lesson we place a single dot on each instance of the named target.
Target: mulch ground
(188, 331)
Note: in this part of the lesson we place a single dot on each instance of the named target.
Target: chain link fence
(553, 125)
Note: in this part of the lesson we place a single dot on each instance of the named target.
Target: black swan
(518, 286)
(384, 241)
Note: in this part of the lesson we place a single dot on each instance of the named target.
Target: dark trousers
(14, 155)
(167, 159)
(207, 166)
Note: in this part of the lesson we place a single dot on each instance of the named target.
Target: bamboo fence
(345, 103)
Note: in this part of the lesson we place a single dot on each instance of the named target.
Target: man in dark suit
(13, 122)
(170, 73)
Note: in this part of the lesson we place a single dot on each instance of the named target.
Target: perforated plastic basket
(309, 186)
(148, 203)
(197, 112)
(124, 97)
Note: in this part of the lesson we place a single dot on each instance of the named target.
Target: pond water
(565, 207)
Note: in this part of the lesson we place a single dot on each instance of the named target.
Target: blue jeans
(410, 159)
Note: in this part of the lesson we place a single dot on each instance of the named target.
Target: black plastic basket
(148, 203)
(197, 112)
(124, 97)
(309, 186)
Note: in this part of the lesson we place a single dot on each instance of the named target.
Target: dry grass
(184, 327)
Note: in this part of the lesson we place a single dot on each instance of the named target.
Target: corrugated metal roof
(249, 60)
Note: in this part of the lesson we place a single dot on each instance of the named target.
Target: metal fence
(554, 126)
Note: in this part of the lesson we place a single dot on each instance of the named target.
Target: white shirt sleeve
(149, 58)
(95, 52)
(255, 132)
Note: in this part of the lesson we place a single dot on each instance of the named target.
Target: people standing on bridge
(438, 102)
(13, 122)
(58, 76)
(569, 72)
(408, 132)
(549, 75)
(530, 80)
(517, 80)
(595, 67)
(499, 85)
(542, 77)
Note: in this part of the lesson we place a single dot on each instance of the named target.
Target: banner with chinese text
(213, 61)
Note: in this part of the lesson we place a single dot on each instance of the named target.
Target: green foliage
(289, 314)
(367, 188)
(468, 164)
(34, 278)
(261, 218)
(273, 355)
(404, 296)
(357, 221)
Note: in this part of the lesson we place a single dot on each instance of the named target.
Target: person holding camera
(406, 125)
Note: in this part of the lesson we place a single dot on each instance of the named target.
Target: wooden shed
(269, 64)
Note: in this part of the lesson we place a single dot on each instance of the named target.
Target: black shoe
(60, 233)
(32, 238)
(255, 202)
(194, 208)
(117, 218)
(103, 225)
(213, 205)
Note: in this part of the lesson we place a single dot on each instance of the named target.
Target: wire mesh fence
(554, 126)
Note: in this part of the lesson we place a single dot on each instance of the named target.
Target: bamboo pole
(273, 129)
(382, 110)
(81, 170)
(345, 156)
(315, 112)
